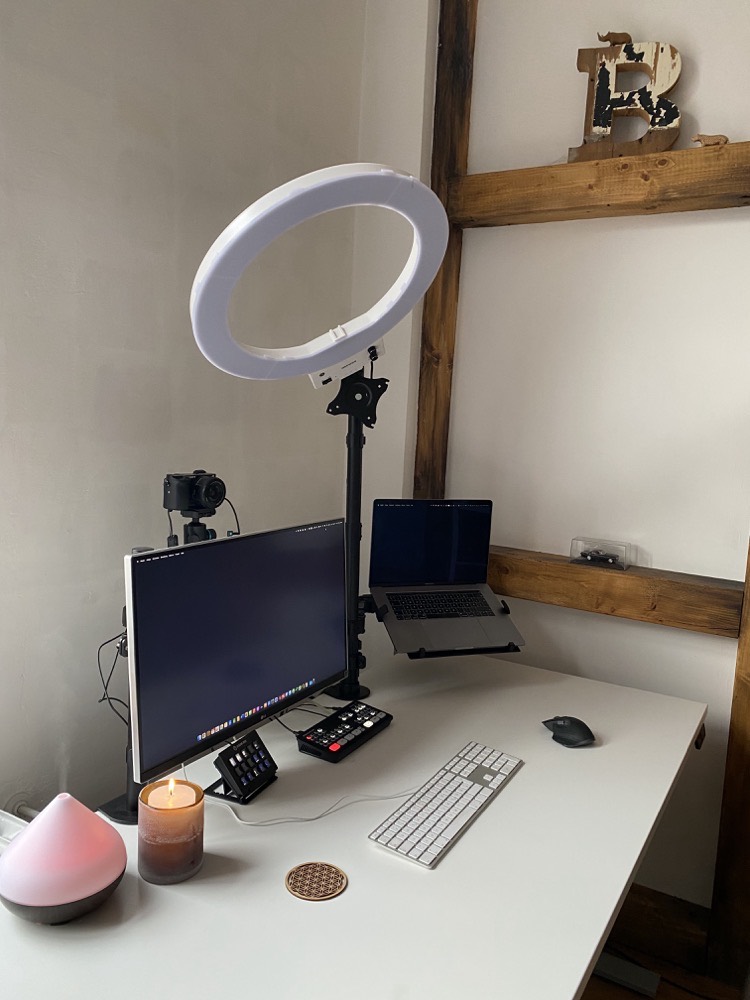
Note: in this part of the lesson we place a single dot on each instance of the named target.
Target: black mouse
(570, 732)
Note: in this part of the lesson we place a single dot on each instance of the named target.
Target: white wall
(600, 378)
(131, 134)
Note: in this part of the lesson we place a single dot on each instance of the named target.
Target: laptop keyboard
(440, 604)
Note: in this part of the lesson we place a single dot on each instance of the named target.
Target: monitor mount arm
(358, 398)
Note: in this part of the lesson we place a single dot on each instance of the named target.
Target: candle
(170, 831)
(171, 795)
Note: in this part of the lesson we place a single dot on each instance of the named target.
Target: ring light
(344, 186)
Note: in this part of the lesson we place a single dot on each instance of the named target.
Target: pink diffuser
(64, 864)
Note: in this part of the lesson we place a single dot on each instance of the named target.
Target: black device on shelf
(343, 732)
(225, 634)
(246, 768)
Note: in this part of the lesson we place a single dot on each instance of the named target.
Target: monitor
(225, 634)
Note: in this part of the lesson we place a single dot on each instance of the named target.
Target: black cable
(323, 715)
(108, 697)
(124, 704)
(115, 638)
(298, 732)
(236, 519)
(172, 539)
(294, 732)
(105, 683)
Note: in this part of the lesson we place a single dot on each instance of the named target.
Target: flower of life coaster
(315, 880)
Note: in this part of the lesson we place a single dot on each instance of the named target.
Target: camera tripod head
(196, 531)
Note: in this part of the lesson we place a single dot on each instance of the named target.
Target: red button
(334, 746)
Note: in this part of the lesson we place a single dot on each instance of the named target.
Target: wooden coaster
(315, 880)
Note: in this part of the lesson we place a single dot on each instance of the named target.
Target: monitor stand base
(119, 811)
(124, 808)
(347, 690)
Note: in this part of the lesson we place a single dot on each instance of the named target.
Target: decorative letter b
(661, 63)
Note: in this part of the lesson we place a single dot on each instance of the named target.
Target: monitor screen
(224, 634)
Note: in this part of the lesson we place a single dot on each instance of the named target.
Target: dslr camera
(194, 494)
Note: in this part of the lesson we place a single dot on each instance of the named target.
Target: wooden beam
(729, 940)
(683, 180)
(450, 153)
(660, 597)
(436, 374)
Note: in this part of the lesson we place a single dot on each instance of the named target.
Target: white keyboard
(427, 825)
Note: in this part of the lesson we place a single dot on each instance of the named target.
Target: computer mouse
(569, 731)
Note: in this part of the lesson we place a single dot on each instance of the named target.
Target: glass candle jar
(170, 831)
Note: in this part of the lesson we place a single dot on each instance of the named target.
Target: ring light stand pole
(358, 398)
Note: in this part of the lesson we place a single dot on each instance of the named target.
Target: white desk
(518, 910)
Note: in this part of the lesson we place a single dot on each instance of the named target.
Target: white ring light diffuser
(259, 225)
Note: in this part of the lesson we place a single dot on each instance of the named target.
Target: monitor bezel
(143, 774)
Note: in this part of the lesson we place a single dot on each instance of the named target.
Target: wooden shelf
(685, 180)
(661, 597)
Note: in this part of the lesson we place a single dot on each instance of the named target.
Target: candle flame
(171, 786)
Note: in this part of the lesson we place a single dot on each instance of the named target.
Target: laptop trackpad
(455, 633)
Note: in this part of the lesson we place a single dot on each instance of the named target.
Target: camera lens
(210, 491)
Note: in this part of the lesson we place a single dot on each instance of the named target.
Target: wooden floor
(675, 984)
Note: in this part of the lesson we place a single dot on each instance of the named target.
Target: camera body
(194, 494)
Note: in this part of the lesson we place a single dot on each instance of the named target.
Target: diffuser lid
(66, 853)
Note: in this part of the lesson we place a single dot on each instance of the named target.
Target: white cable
(336, 807)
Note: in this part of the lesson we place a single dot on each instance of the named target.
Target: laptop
(428, 577)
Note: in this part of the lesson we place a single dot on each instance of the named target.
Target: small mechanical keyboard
(343, 732)
(439, 604)
(427, 825)
(246, 767)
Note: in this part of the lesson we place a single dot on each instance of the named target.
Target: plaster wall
(130, 136)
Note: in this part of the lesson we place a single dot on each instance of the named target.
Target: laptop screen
(429, 542)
